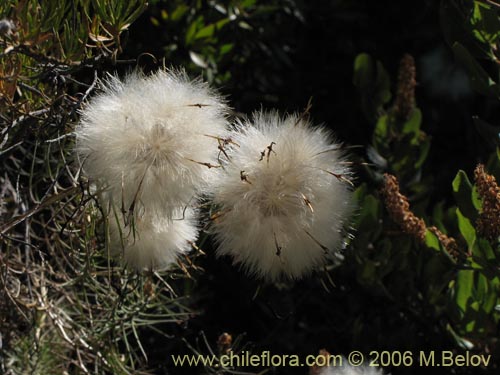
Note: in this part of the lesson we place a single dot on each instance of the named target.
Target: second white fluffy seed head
(283, 197)
(150, 141)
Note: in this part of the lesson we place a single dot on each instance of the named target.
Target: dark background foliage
(296, 50)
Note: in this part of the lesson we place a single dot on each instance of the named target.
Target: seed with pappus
(151, 141)
(152, 242)
(283, 197)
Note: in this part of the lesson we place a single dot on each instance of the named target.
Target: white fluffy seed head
(148, 140)
(152, 241)
(283, 197)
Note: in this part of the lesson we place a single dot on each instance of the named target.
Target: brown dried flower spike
(405, 98)
(488, 223)
(399, 209)
(449, 243)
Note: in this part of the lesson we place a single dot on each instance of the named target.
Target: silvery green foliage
(283, 197)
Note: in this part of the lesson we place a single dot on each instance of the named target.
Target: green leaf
(132, 14)
(484, 259)
(424, 152)
(466, 229)
(486, 294)
(380, 133)
(464, 286)
(247, 3)
(205, 32)
(462, 191)
(457, 28)
(438, 215)
(486, 23)
(154, 21)
(210, 30)
(480, 80)
(373, 83)
(192, 29)
(412, 126)
(363, 70)
(226, 48)
(484, 250)
(179, 12)
(432, 241)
